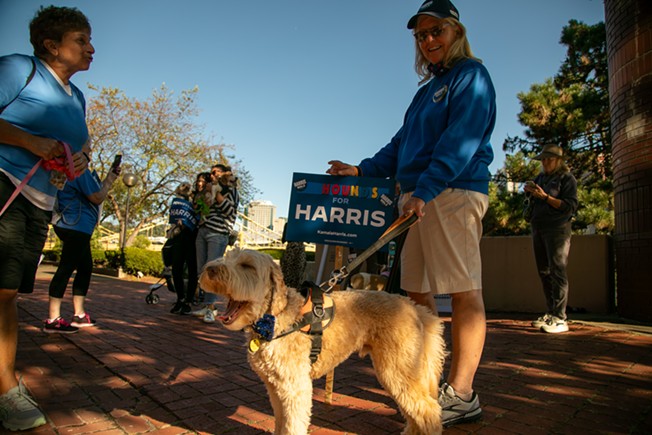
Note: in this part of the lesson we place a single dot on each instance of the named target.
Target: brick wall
(629, 47)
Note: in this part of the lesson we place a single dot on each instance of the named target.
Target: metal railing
(251, 234)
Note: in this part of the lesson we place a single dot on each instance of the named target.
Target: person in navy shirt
(183, 220)
(440, 157)
(40, 110)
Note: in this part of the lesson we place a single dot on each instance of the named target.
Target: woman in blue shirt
(440, 157)
(40, 107)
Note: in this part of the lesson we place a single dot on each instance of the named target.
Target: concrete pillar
(629, 47)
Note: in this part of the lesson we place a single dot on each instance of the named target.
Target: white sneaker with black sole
(555, 325)
(538, 323)
(454, 410)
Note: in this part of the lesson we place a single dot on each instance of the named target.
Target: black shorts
(23, 231)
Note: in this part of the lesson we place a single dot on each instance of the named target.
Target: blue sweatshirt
(444, 140)
(182, 210)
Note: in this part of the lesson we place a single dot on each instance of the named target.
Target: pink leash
(57, 163)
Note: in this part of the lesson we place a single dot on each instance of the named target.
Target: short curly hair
(51, 23)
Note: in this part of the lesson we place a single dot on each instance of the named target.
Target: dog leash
(57, 163)
(395, 229)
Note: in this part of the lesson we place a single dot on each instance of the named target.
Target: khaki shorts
(442, 252)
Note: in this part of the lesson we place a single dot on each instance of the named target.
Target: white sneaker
(18, 411)
(555, 325)
(201, 312)
(209, 317)
(538, 323)
(454, 410)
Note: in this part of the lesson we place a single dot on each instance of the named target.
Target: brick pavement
(143, 370)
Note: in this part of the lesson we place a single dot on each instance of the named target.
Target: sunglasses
(435, 32)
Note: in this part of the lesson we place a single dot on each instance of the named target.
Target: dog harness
(318, 313)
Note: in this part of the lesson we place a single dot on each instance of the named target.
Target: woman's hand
(535, 190)
(414, 205)
(46, 148)
(113, 175)
(340, 168)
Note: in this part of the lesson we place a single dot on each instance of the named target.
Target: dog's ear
(279, 290)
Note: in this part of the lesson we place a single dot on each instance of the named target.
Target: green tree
(161, 143)
(506, 198)
(572, 110)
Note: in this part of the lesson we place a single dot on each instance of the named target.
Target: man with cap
(440, 157)
(554, 192)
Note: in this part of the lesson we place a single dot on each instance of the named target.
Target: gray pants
(210, 246)
(551, 248)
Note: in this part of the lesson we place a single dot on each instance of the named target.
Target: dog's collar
(318, 311)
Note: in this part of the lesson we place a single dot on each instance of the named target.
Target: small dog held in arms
(404, 340)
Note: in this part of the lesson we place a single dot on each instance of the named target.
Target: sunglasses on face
(422, 36)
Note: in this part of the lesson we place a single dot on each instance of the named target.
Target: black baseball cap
(435, 8)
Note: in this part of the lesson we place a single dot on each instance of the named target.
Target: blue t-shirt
(182, 209)
(444, 140)
(77, 211)
(43, 109)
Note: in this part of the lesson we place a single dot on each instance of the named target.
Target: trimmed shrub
(53, 255)
(141, 241)
(142, 260)
(99, 257)
(114, 258)
(136, 260)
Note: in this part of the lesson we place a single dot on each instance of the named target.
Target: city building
(261, 222)
(262, 213)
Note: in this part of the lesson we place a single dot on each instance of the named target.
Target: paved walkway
(143, 370)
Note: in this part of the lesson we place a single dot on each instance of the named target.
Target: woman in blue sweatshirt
(440, 157)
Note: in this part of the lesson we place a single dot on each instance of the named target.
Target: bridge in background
(251, 235)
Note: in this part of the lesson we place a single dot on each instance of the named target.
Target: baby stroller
(166, 253)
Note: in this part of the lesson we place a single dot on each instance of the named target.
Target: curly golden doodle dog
(404, 340)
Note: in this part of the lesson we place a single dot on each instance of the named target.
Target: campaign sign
(344, 211)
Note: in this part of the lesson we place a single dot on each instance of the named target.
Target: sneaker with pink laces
(58, 326)
(82, 321)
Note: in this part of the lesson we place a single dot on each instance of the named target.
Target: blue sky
(292, 84)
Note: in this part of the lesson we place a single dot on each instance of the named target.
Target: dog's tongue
(231, 310)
